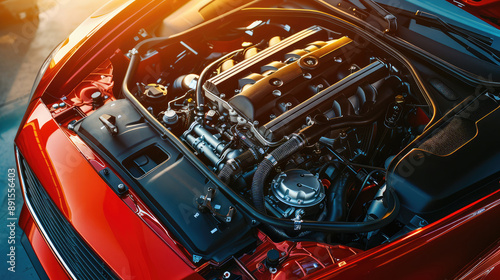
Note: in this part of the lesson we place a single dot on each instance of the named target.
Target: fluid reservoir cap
(170, 117)
(298, 188)
(97, 98)
(273, 258)
(155, 91)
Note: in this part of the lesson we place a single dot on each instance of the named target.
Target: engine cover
(173, 183)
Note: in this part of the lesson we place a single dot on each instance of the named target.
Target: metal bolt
(276, 93)
(276, 82)
(310, 61)
(121, 187)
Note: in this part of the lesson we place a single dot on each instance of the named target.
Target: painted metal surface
(487, 10)
(104, 221)
(437, 251)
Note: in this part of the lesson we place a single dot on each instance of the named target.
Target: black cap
(97, 99)
(273, 258)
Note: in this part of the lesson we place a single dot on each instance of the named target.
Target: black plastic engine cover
(170, 182)
(452, 164)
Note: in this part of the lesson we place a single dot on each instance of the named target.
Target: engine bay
(296, 129)
(300, 121)
(277, 141)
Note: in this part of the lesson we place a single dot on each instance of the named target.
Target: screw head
(310, 61)
(121, 187)
(276, 82)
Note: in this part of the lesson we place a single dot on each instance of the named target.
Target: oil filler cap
(273, 258)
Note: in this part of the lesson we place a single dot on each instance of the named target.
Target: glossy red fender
(104, 221)
(488, 10)
(463, 245)
(437, 251)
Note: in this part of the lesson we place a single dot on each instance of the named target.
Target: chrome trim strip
(37, 220)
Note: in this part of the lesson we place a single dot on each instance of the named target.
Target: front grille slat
(77, 257)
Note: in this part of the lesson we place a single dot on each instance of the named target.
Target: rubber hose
(264, 168)
(232, 167)
(337, 199)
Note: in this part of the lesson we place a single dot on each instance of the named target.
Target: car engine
(350, 107)
(261, 123)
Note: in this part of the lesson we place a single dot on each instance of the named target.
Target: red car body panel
(436, 251)
(487, 267)
(43, 252)
(125, 234)
(104, 221)
(488, 10)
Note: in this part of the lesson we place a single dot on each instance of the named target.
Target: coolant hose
(234, 166)
(294, 144)
(337, 199)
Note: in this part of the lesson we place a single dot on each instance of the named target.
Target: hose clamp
(271, 158)
(300, 138)
(297, 224)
